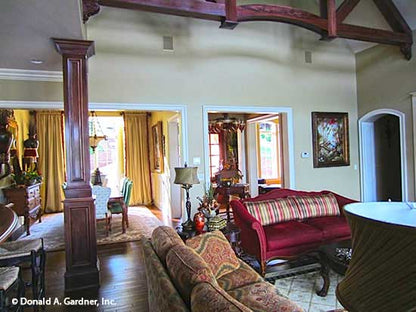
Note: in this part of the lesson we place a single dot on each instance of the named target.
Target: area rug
(302, 290)
(141, 224)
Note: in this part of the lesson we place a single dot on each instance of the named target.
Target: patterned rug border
(142, 222)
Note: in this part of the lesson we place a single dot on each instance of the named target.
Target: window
(214, 153)
(108, 156)
(269, 160)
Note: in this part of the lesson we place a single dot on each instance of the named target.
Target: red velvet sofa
(288, 239)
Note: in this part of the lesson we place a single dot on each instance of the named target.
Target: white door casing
(367, 153)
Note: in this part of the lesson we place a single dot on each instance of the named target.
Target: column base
(82, 279)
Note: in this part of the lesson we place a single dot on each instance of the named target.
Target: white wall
(256, 64)
(385, 80)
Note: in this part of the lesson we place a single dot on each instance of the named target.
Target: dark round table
(337, 256)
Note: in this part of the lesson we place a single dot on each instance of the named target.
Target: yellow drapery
(137, 157)
(120, 150)
(51, 159)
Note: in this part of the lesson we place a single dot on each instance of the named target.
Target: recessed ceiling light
(36, 61)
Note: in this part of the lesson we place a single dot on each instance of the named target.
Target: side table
(231, 232)
(241, 190)
(185, 235)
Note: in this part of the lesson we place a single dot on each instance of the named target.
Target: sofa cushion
(331, 227)
(243, 275)
(186, 269)
(206, 297)
(273, 211)
(216, 250)
(290, 234)
(262, 297)
(162, 295)
(316, 206)
(163, 239)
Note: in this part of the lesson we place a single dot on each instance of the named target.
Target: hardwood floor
(122, 278)
(166, 220)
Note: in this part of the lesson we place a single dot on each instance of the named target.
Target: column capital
(76, 47)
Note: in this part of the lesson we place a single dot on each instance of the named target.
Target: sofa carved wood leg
(325, 275)
(263, 268)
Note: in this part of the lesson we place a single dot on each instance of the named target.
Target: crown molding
(33, 75)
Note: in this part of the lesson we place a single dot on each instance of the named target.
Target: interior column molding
(79, 211)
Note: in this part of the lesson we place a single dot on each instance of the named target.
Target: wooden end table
(231, 232)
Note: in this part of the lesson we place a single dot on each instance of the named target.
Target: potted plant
(27, 177)
(208, 204)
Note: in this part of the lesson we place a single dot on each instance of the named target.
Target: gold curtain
(120, 150)
(51, 159)
(137, 157)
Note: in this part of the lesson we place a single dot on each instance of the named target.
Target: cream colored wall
(21, 90)
(256, 64)
(385, 80)
(160, 181)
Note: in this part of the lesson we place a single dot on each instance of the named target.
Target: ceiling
(26, 30)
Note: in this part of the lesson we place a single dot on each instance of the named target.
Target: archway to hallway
(383, 173)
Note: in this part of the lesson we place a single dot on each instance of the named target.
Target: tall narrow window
(108, 155)
(214, 153)
(269, 160)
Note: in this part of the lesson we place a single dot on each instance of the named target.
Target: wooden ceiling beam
(89, 8)
(328, 12)
(345, 9)
(329, 25)
(393, 16)
(189, 8)
(396, 21)
(230, 21)
(283, 14)
(361, 33)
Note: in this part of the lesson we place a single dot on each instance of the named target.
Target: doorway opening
(246, 148)
(383, 156)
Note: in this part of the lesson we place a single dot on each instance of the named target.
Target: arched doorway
(383, 173)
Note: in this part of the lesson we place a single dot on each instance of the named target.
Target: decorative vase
(199, 220)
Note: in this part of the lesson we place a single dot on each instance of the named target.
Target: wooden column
(79, 210)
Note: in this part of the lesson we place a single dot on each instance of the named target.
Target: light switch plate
(305, 155)
(196, 161)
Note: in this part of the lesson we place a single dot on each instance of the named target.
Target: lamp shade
(186, 175)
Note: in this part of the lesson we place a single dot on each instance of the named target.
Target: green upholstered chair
(123, 184)
(121, 204)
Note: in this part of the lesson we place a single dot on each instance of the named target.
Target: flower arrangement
(208, 203)
(27, 177)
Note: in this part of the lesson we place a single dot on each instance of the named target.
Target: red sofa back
(281, 193)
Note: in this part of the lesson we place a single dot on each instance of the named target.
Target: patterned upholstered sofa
(204, 275)
(286, 223)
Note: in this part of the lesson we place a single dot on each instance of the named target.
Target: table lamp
(187, 176)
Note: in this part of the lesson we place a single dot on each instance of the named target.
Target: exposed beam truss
(345, 9)
(330, 24)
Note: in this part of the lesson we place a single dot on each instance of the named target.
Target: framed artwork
(330, 139)
(157, 147)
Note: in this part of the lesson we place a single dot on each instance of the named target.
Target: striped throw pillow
(273, 211)
(316, 206)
